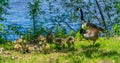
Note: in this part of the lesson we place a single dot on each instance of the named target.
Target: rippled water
(18, 11)
(18, 14)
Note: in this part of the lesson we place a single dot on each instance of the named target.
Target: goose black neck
(81, 14)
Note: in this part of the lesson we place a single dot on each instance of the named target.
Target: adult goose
(89, 30)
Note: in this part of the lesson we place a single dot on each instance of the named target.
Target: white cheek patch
(84, 25)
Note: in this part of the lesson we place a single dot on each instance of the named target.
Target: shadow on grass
(94, 51)
(66, 50)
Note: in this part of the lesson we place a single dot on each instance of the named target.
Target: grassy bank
(104, 51)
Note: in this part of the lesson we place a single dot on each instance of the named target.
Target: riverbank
(104, 51)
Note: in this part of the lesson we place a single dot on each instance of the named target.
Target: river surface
(18, 14)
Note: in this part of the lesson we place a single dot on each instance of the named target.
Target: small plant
(34, 12)
(78, 36)
(71, 33)
(116, 29)
(16, 29)
(3, 11)
(1, 39)
(116, 26)
(32, 37)
(60, 32)
(2, 33)
(7, 45)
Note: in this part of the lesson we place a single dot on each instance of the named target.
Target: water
(18, 14)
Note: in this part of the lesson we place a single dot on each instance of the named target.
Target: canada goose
(18, 47)
(46, 48)
(60, 42)
(89, 30)
(19, 40)
(41, 39)
(70, 41)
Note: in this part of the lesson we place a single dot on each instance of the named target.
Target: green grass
(104, 51)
